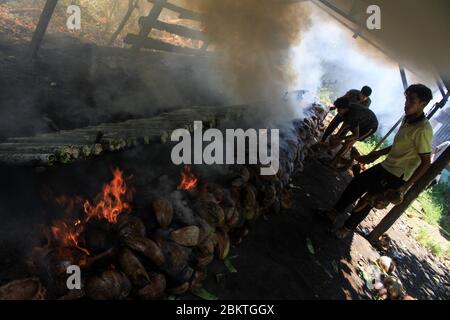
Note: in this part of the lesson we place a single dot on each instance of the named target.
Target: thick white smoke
(328, 53)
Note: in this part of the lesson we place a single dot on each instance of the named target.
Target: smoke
(328, 56)
(253, 39)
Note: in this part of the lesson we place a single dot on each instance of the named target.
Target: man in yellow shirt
(407, 160)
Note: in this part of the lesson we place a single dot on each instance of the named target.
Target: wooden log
(145, 31)
(172, 28)
(27, 159)
(184, 13)
(41, 28)
(67, 146)
(132, 5)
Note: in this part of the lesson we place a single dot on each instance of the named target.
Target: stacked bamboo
(69, 146)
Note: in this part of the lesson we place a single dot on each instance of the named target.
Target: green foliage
(367, 146)
(427, 241)
(325, 96)
(431, 207)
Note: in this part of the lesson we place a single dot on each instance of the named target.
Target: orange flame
(67, 235)
(188, 180)
(113, 200)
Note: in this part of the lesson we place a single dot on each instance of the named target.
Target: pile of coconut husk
(148, 253)
(382, 279)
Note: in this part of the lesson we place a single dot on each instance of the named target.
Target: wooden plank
(184, 13)
(145, 22)
(152, 16)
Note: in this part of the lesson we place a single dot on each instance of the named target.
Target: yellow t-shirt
(411, 141)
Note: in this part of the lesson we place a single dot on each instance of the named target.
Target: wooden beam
(153, 15)
(436, 168)
(132, 5)
(41, 28)
(184, 13)
(145, 22)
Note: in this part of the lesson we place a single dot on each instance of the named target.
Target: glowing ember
(112, 201)
(188, 180)
(68, 236)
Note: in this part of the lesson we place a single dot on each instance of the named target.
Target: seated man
(359, 97)
(407, 160)
(361, 122)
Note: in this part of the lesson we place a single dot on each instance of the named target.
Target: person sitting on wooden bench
(407, 160)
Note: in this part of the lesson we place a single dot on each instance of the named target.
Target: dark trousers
(332, 126)
(375, 180)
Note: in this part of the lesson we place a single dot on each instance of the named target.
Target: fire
(188, 180)
(68, 236)
(112, 201)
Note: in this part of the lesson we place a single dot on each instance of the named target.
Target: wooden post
(41, 28)
(156, 10)
(437, 167)
(132, 4)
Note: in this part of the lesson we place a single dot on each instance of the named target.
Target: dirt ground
(274, 261)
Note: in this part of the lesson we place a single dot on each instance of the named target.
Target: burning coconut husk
(142, 251)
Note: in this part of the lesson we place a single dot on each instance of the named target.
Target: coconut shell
(207, 246)
(204, 260)
(205, 230)
(179, 290)
(129, 225)
(393, 287)
(146, 247)
(212, 213)
(184, 276)
(198, 278)
(234, 220)
(187, 236)
(110, 285)
(98, 236)
(249, 199)
(176, 257)
(155, 289)
(269, 193)
(286, 200)
(228, 208)
(133, 268)
(386, 264)
(249, 213)
(223, 244)
(25, 289)
(163, 210)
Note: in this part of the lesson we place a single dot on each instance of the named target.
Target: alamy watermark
(374, 20)
(74, 280)
(74, 19)
(230, 148)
